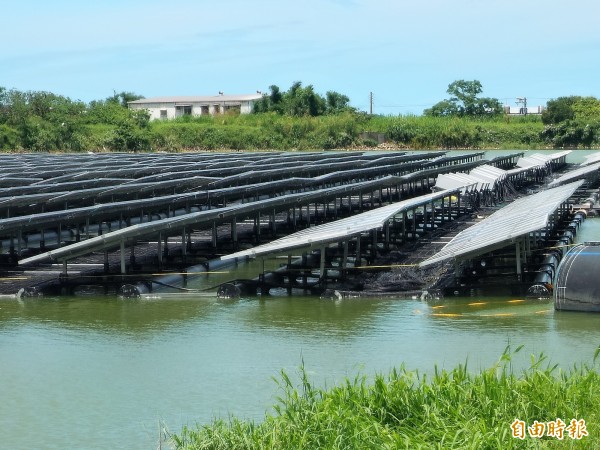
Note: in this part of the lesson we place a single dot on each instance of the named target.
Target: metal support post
(344, 267)
(214, 234)
(291, 276)
(322, 264)
(122, 254)
(160, 253)
(518, 255)
(234, 236)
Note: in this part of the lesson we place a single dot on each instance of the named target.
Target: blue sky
(404, 51)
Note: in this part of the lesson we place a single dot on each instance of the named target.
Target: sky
(404, 52)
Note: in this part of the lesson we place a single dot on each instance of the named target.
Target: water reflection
(578, 325)
(492, 314)
(304, 315)
(186, 359)
(106, 314)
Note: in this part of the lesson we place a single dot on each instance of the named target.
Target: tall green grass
(270, 131)
(266, 131)
(423, 132)
(451, 409)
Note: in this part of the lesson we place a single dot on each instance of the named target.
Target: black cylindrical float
(577, 285)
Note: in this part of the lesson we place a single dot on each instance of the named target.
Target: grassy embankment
(274, 132)
(450, 410)
(266, 131)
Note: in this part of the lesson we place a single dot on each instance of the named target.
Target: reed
(450, 409)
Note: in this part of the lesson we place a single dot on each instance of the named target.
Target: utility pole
(371, 103)
(523, 101)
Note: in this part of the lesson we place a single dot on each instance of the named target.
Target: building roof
(186, 99)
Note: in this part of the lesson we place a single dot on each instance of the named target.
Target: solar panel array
(507, 225)
(125, 198)
(341, 230)
(106, 192)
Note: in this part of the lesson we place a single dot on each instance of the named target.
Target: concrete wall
(519, 110)
(167, 111)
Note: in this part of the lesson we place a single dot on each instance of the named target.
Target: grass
(451, 409)
(269, 131)
(453, 132)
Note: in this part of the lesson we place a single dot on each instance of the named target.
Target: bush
(572, 133)
(9, 138)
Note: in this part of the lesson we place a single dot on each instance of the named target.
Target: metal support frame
(122, 254)
(344, 265)
(518, 257)
(214, 234)
(323, 256)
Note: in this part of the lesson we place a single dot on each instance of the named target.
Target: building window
(232, 109)
(163, 114)
(204, 110)
(217, 109)
(183, 110)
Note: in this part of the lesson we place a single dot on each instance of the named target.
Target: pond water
(99, 372)
(106, 373)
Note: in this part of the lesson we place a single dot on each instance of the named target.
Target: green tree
(336, 102)
(299, 101)
(42, 120)
(443, 108)
(559, 110)
(14, 108)
(587, 109)
(572, 121)
(123, 98)
(464, 101)
(3, 104)
(271, 102)
(303, 101)
(115, 112)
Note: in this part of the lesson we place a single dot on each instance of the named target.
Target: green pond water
(99, 372)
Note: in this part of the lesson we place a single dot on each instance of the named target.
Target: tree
(587, 109)
(336, 102)
(301, 101)
(464, 101)
(443, 108)
(572, 121)
(270, 102)
(13, 107)
(573, 107)
(122, 98)
(559, 110)
(107, 112)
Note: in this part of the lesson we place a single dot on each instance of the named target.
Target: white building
(521, 111)
(195, 105)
